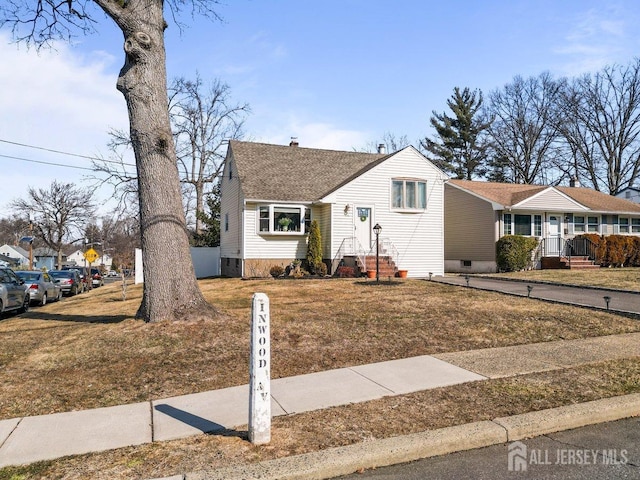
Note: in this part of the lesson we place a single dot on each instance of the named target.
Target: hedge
(513, 252)
(616, 250)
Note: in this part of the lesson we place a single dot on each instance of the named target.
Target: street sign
(91, 255)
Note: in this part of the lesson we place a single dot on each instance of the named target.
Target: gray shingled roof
(296, 174)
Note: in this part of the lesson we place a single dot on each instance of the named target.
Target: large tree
(57, 213)
(460, 145)
(171, 290)
(524, 133)
(600, 122)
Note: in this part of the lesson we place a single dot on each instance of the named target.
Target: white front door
(554, 237)
(363, 227)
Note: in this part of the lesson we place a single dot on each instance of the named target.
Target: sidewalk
(620, 302)
(46, 437)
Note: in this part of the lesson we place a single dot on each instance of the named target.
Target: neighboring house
(45, 257)
(630, 193)
(17, 254)
(271, 193)
(77, 258)
(8, 261)
(477, 214)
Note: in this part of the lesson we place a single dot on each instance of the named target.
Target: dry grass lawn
(619, 278)
(88, 351)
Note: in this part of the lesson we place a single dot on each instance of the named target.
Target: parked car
(112, 273)
(41, 286)
(96, 278)
(84, 276)
(70, 281)
(13, 293)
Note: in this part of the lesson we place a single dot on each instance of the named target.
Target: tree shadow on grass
(105, 319)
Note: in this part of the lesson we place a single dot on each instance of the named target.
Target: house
(8, 261)
(45, 257)
(477, 214)
(18, 255)
(271, 193)
(77, 258)
(630, 193)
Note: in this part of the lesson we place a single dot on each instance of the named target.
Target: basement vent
(465, 263)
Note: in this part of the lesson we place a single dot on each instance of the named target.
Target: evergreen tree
(210, 234)
(460, 147)
(314, 249)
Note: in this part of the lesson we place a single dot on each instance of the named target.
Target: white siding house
(271, 193)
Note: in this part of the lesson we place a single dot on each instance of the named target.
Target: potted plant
(284, 223)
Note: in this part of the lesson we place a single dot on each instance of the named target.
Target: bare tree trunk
(171, 290)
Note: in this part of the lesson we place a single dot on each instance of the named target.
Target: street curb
(338, 461)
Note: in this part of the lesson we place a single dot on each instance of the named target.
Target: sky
(336, 74)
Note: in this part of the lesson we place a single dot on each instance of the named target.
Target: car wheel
(43, 302)
(25, 304)
(74, 290)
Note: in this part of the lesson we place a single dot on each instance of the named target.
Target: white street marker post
(259, 372)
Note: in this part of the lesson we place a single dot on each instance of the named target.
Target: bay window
(283, 219)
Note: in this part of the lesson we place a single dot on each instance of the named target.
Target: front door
(363, 227)
(554, 239)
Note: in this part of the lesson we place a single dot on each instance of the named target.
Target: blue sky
(335, 74)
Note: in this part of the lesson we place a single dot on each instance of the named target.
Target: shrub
(513, 252)
(276, 271)
(346, 272)
(314, 248)
(320, 269)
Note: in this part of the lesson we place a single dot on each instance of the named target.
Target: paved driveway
(619, 301)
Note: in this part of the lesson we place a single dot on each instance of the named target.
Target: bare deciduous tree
(57, 213)
(171, 291)
(600, 122)
(523, 131)
(203, 119)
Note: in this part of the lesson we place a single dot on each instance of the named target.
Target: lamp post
(377, 229)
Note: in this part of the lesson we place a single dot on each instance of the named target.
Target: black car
(70, 281)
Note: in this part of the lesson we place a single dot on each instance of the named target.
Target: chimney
(294, 142)
(574, 182)
(382, 148)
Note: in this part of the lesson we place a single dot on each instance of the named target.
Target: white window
(593, 224)
(507, 224)
(283, 219)
(623, 225)
(635, 225)
(409, 194)
(579, 224)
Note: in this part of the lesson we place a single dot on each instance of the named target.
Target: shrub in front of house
(615, 250)
(276, 271)
(513, 252)
(314, 250)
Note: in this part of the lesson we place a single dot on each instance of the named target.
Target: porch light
(377, 229)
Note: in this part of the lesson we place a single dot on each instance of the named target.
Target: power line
(60, 152)
(47, 163)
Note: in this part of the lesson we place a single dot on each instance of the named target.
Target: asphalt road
(604, 451)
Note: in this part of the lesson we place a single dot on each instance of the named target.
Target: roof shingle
(296, 174)
(509, 194)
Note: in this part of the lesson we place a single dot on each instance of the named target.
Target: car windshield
(66, 274)
(29, 276)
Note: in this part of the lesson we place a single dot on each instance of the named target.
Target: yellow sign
(91, 255)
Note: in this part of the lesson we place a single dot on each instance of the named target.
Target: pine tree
(460, 147)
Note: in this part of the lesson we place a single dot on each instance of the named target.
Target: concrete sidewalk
(46, 437)
(619, 301)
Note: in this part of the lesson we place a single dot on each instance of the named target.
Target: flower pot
(371, 274)
(402, 273)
